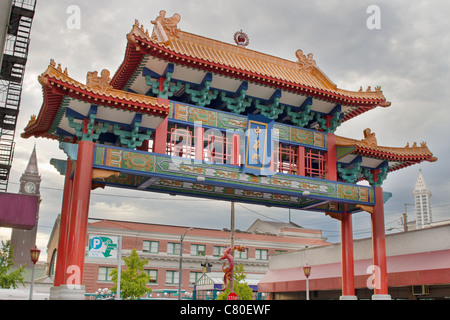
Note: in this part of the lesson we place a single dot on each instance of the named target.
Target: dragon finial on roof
(165, 27)
(307, 63)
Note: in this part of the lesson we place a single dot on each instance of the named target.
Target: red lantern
(35, 254)
(307, 270)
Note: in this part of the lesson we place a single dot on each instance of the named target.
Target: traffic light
(206, 267)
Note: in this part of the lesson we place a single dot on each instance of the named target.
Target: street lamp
(307, 272)
(34, 253)
(181, 262)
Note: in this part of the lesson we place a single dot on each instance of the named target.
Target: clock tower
(25, 240)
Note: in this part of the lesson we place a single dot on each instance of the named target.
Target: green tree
(9, 279)
(241, 289)
(133, 280)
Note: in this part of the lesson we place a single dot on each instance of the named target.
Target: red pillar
(61, 254)
(236, 149)
(79, 213)
(348, 269)
(199, 138)
(379, 247)
(331, 162)
(301, 161)
(160, 140)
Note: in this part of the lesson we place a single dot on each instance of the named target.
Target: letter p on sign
(96, 243)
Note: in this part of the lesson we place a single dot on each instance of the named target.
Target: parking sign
(104, 247)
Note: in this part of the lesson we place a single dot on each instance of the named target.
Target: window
(285, 158)
(261, 254)
(181, 141)
(151, 246)
(197, 250)
(194, 276)
(172, 277)
(315, 163)
(173, 248)
(219, 146)
(218, 250)
(104, 273)
(153, 276)
(241, 255)
(292, 159)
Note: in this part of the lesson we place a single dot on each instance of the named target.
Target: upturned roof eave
(140, 44)
(56, 84)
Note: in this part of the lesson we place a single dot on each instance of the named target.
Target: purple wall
(18, 210)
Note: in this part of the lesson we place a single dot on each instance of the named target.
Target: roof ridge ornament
(165, 27)
(101, 83)
(307, 63)
(369, 138)
(241, 39)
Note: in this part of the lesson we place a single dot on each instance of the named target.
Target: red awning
(431, 267)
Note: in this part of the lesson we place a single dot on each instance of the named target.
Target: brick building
(161, 244)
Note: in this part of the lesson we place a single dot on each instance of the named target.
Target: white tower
(422, 202)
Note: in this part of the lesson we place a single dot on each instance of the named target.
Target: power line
(140, 197)
(259, 213)
(251, 210)
(125, 196)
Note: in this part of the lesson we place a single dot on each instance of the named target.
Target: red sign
(232, 296)
(18, 210)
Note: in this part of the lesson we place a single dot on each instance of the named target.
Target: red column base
(348, 269)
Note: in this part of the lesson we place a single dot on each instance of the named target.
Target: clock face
(30, 187)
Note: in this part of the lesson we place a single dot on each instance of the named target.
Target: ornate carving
(334, 215)
(103, 173)
(375, 177)
(307, 63)
(350, 175)
(369, 89)
(369, 138)
(241, 39)
(365, 208)
(168, 25)
(99, 83)
(32, 120)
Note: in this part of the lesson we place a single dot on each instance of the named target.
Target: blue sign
(95, 243)
(258, 145)
(103, 246)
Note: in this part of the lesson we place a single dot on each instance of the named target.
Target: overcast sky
(408, 56)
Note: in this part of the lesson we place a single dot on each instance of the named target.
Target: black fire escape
(15, 56)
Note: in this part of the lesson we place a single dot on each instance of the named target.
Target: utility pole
(119, 265)
(405, 221)
(181, 262)
(405, 217)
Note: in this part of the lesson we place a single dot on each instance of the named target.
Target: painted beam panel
(229, 121)
(178, 171)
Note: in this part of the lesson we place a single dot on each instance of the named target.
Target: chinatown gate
(193, 116)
